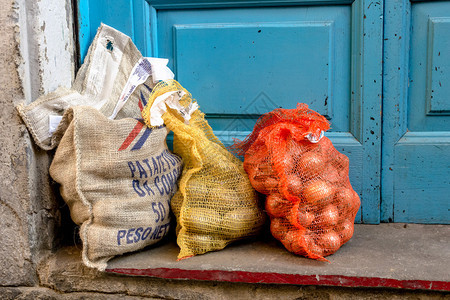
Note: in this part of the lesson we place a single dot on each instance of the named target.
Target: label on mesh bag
(315, 138)
(172, 100)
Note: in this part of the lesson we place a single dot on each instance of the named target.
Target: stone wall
(36, 56)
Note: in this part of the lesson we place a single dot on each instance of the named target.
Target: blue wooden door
(416, 140)
(240, 59)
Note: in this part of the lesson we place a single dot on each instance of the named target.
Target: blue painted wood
(237, 58)
(141, 27)
(422, 172)
(438, 66)
(366, 93)
(416, 143)
(395, 91)
(177, 4)
(84, 28)
(307, 72)
(154, 32)
(429, 67)
(130, 17)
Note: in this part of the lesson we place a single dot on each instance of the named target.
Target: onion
(299, 216)
(265, 169)
(331, 175)
(257, 183)
(345, 200)
(347, 231)
(271, 184)
(330, 215)
(288, 162)
(296, 148)
(294, 185)
(311, 164)
(330, 242)
(278, 228)
(259, 178)
(342, 162)
(295, 151)
(248, 165)
(317, 191)
(356, 203)
(293, 241)
(313, 247)
(326, 146)
(343, 172)
(305, 217)
(277, 206)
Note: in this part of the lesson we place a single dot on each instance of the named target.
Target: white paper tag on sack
(172, 100)
(146, 66)
(53, 122)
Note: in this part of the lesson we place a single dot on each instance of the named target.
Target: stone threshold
(404, 256)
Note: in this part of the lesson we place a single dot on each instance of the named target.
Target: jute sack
(117, 177)
(99, 83)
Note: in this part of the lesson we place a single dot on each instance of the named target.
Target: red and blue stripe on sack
(138, 128)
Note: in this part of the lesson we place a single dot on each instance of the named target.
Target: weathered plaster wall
(46, 45)
(36, 56)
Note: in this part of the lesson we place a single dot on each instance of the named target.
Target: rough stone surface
(29, 212)
(217, 292)
(65, 273)
(31, 293)
(15, 256)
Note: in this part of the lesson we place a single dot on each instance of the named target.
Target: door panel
(416, 161)
(235, 56)
(429, 107)
(129, 17)
(241, 59)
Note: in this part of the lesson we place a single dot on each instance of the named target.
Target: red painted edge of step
(281, 278)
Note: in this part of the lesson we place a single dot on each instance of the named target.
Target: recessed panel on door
(422, 155)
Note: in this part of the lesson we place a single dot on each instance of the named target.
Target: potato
(201, 220)
(242, 222)
(201, 243)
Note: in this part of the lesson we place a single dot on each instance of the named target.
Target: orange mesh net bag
(310, 201)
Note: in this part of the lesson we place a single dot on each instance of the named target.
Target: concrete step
(409, 256)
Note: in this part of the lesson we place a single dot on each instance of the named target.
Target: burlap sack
(117, 177)
(99, 84)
